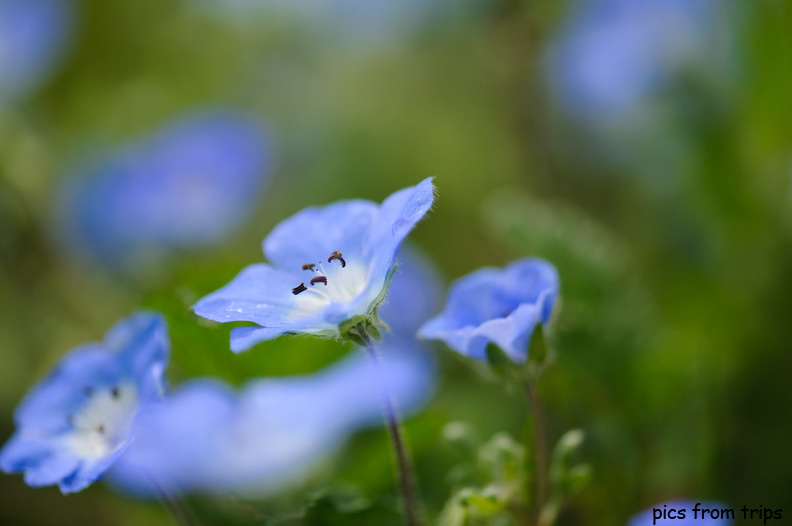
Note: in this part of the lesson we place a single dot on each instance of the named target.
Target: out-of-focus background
(642, 146)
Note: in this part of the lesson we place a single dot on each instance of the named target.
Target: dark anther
(115, 393)
(319, 279)
(100, 429)
(337, 255)
(308, 266)
(299, 288)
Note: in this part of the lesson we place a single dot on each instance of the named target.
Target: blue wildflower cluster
(104, 403)
(333, 273)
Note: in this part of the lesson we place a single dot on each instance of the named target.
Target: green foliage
(499, 467)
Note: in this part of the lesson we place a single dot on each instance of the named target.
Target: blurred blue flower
(33, 37)
(654, 516)
(497, 306)
(611, 56)
(272, 433)
(75, 423)
(186, 185)
(206, 437)
(330, 265)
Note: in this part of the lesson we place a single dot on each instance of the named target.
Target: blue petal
(243, 338)
(399, 213)
(49, 404)
(88, 472)
(359, 229)
(462, 339)
(176, 442)
(406, 373)
(397, 216)
(260, 293)
(311, 235)
(51, 470)
(142, 341)
(23, 451)
(510, 333)
(207, 438)
(536, 282)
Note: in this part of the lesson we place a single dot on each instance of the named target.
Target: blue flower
(269, 435)
(330, 266)
(273, 433)
(75, 423)
(186, 185)
(683, 513)
(613, 56)
(33, 36)
(496, 306)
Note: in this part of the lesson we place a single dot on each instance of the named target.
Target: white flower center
(333, 282)
(102, 423)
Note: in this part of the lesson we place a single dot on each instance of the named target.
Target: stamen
(337, 255)
(100, 429)
(299, 288)
(88, 390)
(308, 266)
(115, 393)
(319, 279)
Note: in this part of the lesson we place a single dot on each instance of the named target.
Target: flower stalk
(538, 438)
(404, 470)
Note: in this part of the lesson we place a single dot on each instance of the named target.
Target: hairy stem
(404, 469)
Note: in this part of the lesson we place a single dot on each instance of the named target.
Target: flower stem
(404, 469)
(540, 449)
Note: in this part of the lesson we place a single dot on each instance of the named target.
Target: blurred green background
(672, 234)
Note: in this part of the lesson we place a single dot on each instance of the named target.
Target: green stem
(406, 478)
(540, 449)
